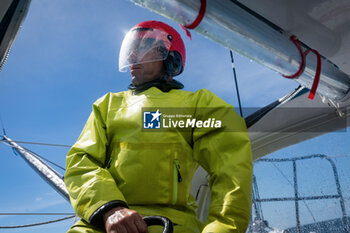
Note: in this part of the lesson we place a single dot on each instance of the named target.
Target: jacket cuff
(96, 219)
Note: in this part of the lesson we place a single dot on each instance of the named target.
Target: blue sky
(66, 56)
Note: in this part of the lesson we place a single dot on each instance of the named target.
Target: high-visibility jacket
(118, 160)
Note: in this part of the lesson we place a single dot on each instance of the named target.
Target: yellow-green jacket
(117, 162)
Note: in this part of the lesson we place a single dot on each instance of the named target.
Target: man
(119, 171)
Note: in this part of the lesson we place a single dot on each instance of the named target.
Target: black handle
(159, 220)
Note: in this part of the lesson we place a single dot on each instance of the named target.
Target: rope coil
(197, 20)
(301, 69)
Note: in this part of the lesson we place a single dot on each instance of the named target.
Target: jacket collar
(160, 83)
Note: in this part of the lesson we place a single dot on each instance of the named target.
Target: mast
(52, 177)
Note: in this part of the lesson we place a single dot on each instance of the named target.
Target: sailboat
(306, 42)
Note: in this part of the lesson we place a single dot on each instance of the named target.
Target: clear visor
(142, 45)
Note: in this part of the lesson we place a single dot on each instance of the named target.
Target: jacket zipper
(176, 179)
(177, 166)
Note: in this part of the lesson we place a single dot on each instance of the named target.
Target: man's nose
(132, 58)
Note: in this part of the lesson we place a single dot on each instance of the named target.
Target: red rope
(197, 20)
(295, 40)
(317, 75)
(301, 69)
(199, 17)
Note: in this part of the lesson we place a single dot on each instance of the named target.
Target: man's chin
(136, 81)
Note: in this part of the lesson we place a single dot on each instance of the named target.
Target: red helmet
(153, 41)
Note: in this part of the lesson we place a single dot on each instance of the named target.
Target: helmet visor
(142, 45)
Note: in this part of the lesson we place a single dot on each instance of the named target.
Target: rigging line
(285, 177)
(2, 125)
(255, 193)
(43, 158)
(338, 156)
(37, 224)
(237, 89)
(10, 214)
(14, 151)
(40, 143)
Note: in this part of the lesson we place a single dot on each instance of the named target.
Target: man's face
(147, 71)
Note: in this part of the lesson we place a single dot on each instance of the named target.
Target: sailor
(122, 168)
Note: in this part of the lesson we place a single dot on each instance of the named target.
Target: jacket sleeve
(225, 153)
(92, 189)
